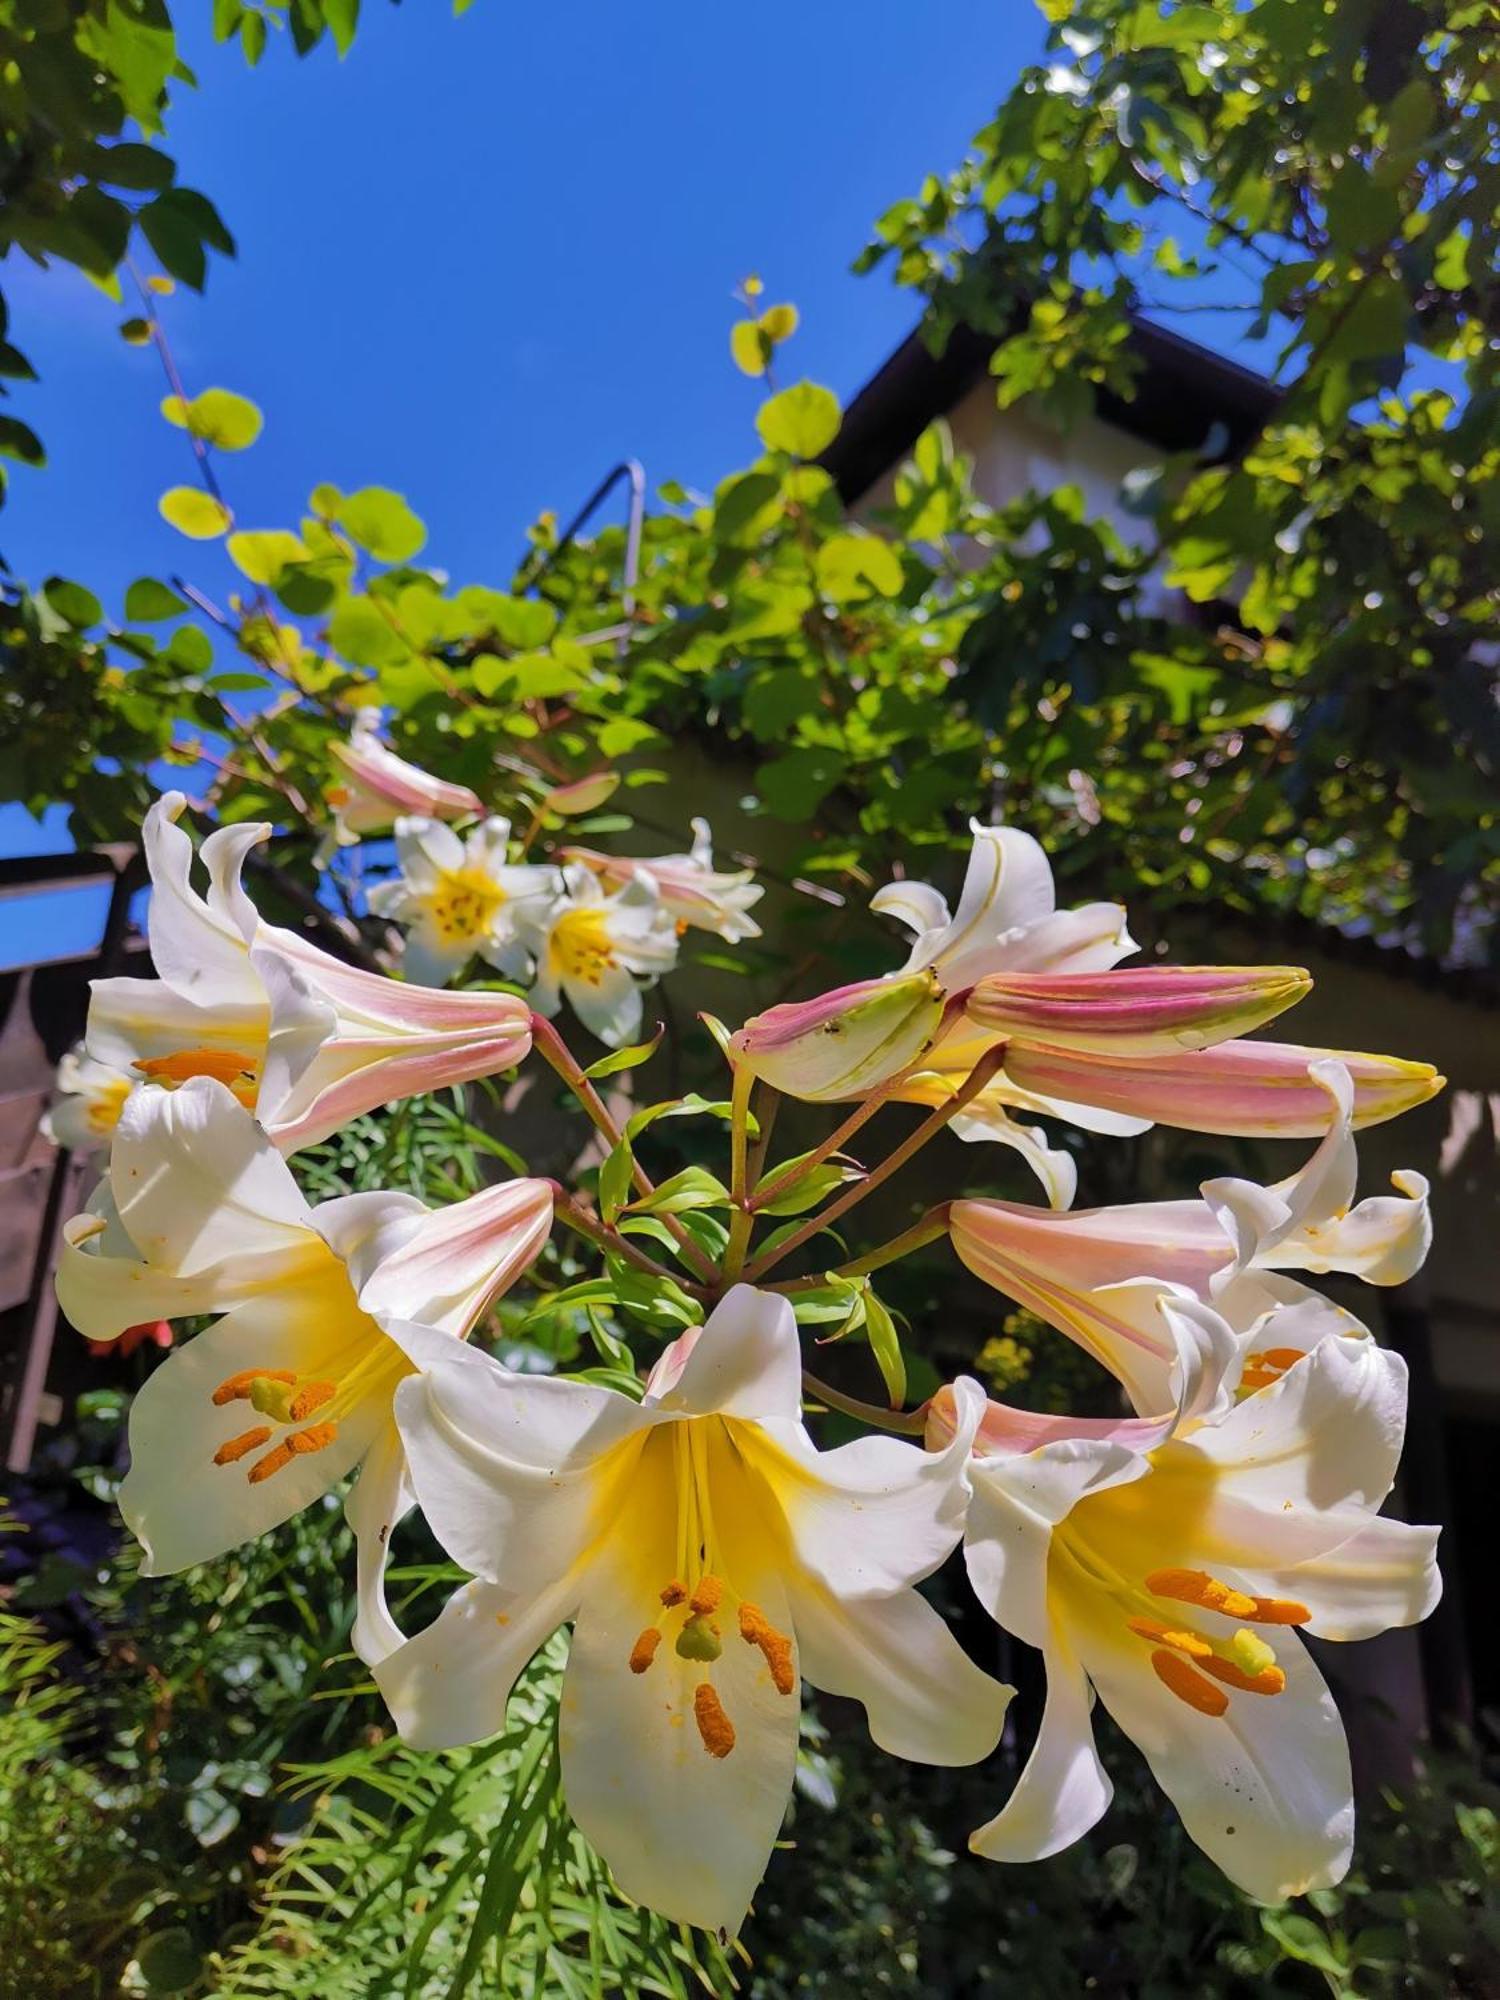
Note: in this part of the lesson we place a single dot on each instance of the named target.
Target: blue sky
(481, 260)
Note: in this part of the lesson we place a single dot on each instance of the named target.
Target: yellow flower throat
(580, 949)
(464, 904)
(695, 1614)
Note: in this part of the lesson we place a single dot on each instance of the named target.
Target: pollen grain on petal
(1191, 1643)
(236, 1447)
(643, 1652)
(714, 1726)
(1185, 1681)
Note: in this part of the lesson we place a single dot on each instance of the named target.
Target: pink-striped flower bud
(1246, 1089)
(846, 1042)
(1130, 1011)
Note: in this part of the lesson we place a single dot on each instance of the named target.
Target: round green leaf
(169, 1961)
(79, 607)
(802, 420)
(262, 555)
(749, 346)
(855, 566)
(218, 416)
(381, 522)
(136, 331)
(147, 600)
(195, 513)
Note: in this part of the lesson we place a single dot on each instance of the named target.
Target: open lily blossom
(1171, 1573)
(305, 1040)
(692, 889)
(460, 899)
(88, 1098)
(1230, 1246)
(593, 949)
(323, 1311)
(376, 787)
(709, 1557)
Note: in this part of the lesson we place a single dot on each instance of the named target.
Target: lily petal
(1144, 1011)
(1064, 1789)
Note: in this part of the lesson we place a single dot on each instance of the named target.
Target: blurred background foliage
(195, 1781)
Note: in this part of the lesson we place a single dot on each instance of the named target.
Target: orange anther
(714, 1725)
(238, 1387)
(225, 1065)
(1270, 1680)
(1196, 1586)
(673, 1593)
(643, 1652)
(1161, 1635)
(236, 1447)
(707, 1596)
(1188, 1684)
(311, 1396)
(776, 1648)
(314, 1438)
(1276, 1611)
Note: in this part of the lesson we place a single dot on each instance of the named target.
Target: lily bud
(1147, 1011)
(1249, 1090)
(584, 795)
(843, 1043)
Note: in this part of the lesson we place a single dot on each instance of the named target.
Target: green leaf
(809, 1188)
(855, 566)
(218, 416)
(137, 331)
(147, 601)
(128, 165)
(365, 638)
(803, 420)
(262, 554)
(169, 1961)
(194, 513)
(885, 1345)
(750, 347)
(631, 1058)
(178, 225)
(381, 522)
(79, 607)
(794, 786)
(615, 1179)
(694, 1187)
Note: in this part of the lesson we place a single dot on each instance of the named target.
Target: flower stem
(929, 1128)
(742, 1220)
(554, 1050)
(932, 1225)
(583, 1221)
(911, 1423)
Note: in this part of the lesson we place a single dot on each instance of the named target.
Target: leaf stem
(555, 1051)
(583, 1221)
(932, 1225)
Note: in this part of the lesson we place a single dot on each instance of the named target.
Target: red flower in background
(157, 1331)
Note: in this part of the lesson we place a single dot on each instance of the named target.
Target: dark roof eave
(1181, 392)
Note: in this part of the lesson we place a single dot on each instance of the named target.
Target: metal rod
(530, 570)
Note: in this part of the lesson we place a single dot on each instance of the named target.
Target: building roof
(1181, 393)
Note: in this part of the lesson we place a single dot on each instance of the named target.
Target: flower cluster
(708, 1555)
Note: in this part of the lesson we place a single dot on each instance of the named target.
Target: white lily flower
(1007, 918)
(322, 1313)
(460, 897)
(1085, 1272)
(88, 1098)
(692, 889)
(304, 1040)
(709, 1556)
(592, 947)
(378, 787)
(1171, 1574)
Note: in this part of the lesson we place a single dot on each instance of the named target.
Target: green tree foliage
(1330, 172)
